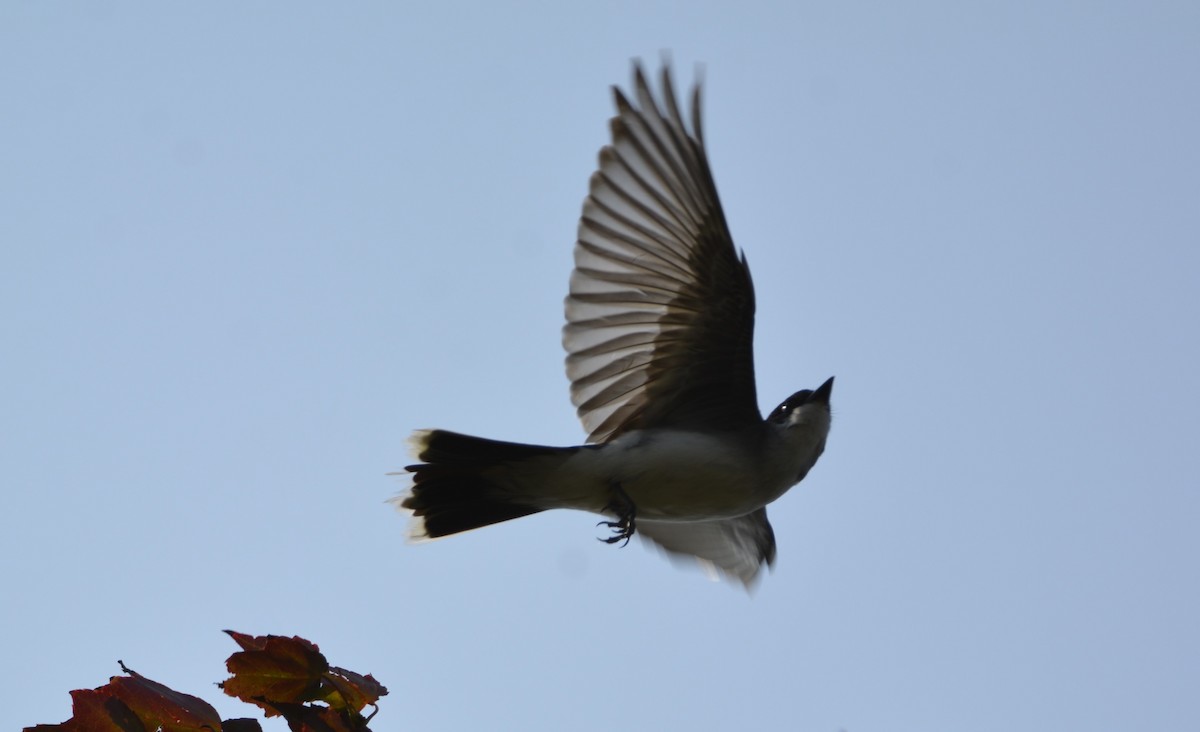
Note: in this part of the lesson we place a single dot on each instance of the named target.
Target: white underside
(668, 475)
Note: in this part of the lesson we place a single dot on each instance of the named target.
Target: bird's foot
(626, 524)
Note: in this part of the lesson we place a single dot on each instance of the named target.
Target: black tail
(455, 488)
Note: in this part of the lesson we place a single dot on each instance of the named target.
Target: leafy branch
(285, 677)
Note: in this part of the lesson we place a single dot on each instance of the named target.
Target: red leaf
(354, 691)
(160, 706)
(135, 704)
(248, 642)
(317, 718)
(99, 710)
(95, 710)
(274, 669)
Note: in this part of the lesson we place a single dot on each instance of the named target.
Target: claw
(626, 524)
(621, 532)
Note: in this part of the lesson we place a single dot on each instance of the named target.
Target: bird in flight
(659, 341)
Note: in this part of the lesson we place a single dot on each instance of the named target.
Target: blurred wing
(734, 547)
(660, 315)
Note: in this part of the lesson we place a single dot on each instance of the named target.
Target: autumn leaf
(282, 675)
(159, 706)
(273, 669)
(135, 703)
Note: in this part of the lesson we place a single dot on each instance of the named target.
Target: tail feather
(442, 446)
(455, 487)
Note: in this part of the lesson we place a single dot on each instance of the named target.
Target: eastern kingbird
(659, 341)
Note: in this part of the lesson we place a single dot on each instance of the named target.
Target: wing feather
(737, 548)
(660, 315)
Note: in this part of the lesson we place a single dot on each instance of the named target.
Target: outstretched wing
(660, 315)
(735, 547)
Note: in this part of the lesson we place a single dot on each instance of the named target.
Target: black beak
(822, 393)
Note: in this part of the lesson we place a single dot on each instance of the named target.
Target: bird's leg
(625, 509)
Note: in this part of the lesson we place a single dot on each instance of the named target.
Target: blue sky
(248, 249)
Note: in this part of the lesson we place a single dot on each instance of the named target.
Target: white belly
(682, 476)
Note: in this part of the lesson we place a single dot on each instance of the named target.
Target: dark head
(790, 410)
